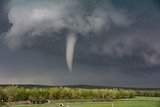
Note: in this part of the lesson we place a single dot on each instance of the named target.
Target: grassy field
(137, 102)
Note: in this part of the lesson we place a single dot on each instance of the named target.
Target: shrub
(39, 95)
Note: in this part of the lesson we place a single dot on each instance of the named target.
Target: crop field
(136, 102)
(101, 104)
(14, 96)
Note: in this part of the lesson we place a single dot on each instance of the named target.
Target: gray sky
(116, 42)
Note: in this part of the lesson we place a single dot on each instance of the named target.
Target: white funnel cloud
(70, 44)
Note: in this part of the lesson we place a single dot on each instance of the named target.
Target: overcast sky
(112, 42)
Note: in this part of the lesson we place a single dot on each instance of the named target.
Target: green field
(101, 104)
(136, 102)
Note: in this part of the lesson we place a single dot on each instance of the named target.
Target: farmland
(12, 96)
(136, 102)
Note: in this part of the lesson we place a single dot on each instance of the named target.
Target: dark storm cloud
(4, 25)
(118, 42)
(55, 17)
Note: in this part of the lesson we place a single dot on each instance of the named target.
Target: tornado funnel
(70, 44)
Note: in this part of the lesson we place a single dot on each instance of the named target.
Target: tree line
(40, 95)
